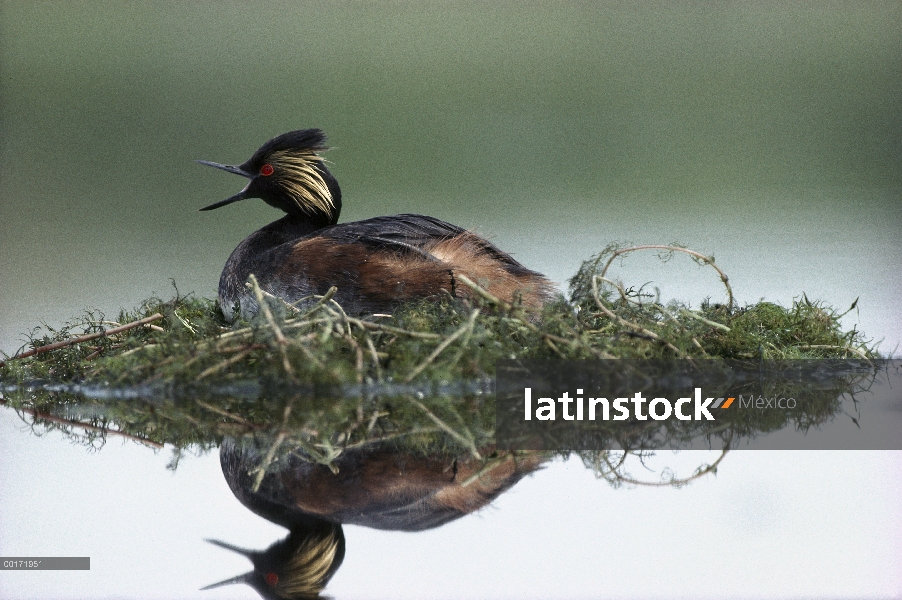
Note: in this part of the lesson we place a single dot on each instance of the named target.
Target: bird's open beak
(240, 578)
(231, 169)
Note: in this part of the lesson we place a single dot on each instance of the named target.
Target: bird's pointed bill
(239, 196)
(230, 168)
(233, 580)
(242, 551)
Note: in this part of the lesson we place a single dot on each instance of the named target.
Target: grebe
(375, 487)
(375, 264)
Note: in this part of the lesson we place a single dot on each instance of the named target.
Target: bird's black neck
(272, 501)
(282, 231)
(288, 228)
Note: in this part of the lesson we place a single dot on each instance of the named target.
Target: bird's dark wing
(415, 230)
(411, 233)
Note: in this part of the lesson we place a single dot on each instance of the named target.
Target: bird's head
(297, 568)
(288, 173)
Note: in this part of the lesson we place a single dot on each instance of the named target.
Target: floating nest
(320, 381)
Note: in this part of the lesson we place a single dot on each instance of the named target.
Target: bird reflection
(379, 488)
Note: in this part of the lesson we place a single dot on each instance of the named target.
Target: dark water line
(252, 390)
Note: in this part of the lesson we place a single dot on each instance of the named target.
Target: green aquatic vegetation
(185, 341)
(317, 380)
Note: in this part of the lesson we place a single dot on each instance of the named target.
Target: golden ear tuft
(305, 574)
(299, 174)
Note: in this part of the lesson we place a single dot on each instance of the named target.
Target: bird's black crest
(302, 139)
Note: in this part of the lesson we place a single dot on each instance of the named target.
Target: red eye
(266, 171)
(271, 578)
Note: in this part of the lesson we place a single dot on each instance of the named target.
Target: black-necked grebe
(375, 264)
(376, 487)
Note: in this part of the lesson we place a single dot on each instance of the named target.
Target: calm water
(769, 137)
(801, 518)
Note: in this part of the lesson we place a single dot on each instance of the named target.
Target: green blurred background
(768, 134)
